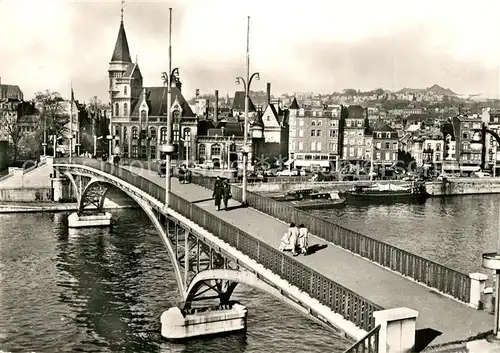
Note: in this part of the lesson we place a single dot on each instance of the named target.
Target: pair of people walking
(222, 192)
(296, 240)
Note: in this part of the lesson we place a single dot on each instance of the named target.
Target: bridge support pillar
(397, 330)
(477, 285)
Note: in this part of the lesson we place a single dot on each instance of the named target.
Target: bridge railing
(368, 344)
(431, 273)
(338, 298)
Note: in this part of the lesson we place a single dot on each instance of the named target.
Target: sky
(299, 46)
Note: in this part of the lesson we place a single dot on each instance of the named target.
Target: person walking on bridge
(226, 193)
(289, 240)
(217, 195)
(303, 239)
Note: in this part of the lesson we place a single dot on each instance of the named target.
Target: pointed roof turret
(294, 105)
(121, 52)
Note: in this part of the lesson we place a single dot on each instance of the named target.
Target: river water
(454, 230)
(103, 290)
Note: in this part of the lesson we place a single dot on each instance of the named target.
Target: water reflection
(454, 231)
(104, 289)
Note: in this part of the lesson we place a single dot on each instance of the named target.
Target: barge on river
(313, 199)
(387, 192)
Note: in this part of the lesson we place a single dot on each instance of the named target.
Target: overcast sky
(313, 45)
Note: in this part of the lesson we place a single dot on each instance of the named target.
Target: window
(352, 152)
(135, 133)
(125, 134)
(331, 146)
(176, 135)
(201, 149)
(125, 109)
(163, 135)
(394, 156)
(117, 109)
(320, 123)
(429, 146)
(379, 145)
(438, 156)
(465, 135)
(153, 152)
(379, 134)
(301, 146)
(466, 125)
(301, 133)
(318, 133)
(387, 145)
(313, 132)
(135, 151)
(318, 146)
(388, 135)
(125, 90)
(333, 133)
(187, 134)
(313, 146)
(314, 114)
(387, 156)
(313, 123)
(394, 145)
(333, 122)
(301, 122)
(438, 147)
(152, 132)
(215, 150)
(378, 156)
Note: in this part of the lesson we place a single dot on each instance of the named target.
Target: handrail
(338, 298)
(34, 166)
(368, 344)
(431, 273)
(428, 272)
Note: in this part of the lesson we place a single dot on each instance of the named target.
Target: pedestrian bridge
(343, 284)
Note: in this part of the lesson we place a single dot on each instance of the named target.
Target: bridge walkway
(455, 320)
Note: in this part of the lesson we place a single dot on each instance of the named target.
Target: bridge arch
(150, 212)
(233, 278)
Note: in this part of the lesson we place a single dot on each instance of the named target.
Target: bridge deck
(454, 320)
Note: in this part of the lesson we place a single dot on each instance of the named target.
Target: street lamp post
(246, 84)
(167, 147)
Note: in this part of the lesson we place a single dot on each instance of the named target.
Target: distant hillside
(436, 89)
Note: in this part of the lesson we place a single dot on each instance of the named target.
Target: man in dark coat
(226, 193)
(217, 195)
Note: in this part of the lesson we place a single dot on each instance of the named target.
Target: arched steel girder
(93, 194)
(96, 175)
(223, 282)
(75, 185)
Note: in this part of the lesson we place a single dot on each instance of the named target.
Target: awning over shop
(307, 163)
(288, 162)
(470, 168)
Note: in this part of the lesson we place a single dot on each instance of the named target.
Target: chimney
(269, 93)
(207, 107)
(216, 110)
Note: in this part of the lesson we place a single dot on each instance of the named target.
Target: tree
(54, 117)
(13, 114)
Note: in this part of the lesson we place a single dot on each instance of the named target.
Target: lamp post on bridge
(246, 84)
(167, 147)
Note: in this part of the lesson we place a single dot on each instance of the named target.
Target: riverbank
(450, 187)
(31, 207)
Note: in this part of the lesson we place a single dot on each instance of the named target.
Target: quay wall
(26, 194)
(464, 186)
(452, 186)
(284, 187)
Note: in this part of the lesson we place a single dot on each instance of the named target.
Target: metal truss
(196, 254)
